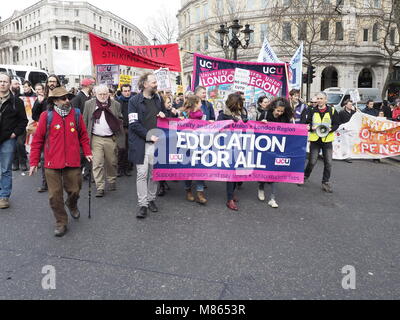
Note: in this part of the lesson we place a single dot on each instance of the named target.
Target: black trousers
(230, 190)
(20, 156)
(327, 152)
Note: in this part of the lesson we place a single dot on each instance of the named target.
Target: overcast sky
(136, 12)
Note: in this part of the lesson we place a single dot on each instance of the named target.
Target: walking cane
(90, 190)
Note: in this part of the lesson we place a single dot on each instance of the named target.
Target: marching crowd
(99, 133)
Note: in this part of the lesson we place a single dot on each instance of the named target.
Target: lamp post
(155, 40)
(229, 36)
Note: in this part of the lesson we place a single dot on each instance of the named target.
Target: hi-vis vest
(318, 121)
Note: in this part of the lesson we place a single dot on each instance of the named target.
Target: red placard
(147, 57)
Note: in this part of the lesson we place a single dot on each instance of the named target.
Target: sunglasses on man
(63, 98)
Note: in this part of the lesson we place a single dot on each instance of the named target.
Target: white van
(337, 96)
(21, 73)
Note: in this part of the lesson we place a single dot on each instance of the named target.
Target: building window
(287, 31)
(339, 31)
(263, 31)
(325, 30)
(377, 3)
(250, 4)
(55, 12)
(220, 8)
(392, 36)
(94, 26)
(206, 41)
(198, 43)
(302, 31)
(365, 37)
(205, 11)
(76, 13)
(375, 32)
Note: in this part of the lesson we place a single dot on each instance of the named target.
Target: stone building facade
(358, 59)
(29, 36)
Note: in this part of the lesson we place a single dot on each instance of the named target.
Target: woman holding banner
(192, 110)
(279, 110)
(234, 110)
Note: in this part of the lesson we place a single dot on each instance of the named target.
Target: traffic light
(305, 77)
(311, 73)
(178, 80)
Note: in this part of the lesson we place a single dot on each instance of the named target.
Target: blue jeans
(199, 185)
(7, 149)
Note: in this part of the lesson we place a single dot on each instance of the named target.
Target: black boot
(161, 189)
(43, 188)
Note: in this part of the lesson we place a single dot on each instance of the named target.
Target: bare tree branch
(163, 26)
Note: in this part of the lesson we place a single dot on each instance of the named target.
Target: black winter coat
(13, 118)
(79, 101)
(137, 132)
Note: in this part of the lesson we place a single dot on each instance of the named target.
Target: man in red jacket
(61, 132)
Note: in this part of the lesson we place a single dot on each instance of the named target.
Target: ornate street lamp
(229, 36)
(155, 40)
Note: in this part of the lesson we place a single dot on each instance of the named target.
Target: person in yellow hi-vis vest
(323, 121)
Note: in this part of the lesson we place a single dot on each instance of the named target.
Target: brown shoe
(75, 213)
(201, 198)
(4, 204)
(189, 196)
(232, 205)
(60, 231)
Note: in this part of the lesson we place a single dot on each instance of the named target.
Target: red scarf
(112, 121)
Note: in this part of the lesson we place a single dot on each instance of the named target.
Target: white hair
(100, 88)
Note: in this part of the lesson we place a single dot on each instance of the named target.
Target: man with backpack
(61, 132)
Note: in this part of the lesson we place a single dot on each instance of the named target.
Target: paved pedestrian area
(188, 251)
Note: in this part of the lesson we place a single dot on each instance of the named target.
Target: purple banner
(230, 151)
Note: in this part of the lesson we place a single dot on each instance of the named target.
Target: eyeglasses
(63, 98)
(314, 102)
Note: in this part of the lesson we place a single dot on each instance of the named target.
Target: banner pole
(182, 75)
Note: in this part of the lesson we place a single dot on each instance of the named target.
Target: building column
(11, 56)
(59, 42)
(70, 43)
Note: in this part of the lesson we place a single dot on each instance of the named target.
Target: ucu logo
(273, 70)
(175, 158)
(282, 162)
(208, 64)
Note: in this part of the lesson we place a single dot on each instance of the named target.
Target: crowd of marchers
(100, 134)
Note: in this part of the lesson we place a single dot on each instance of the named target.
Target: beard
(64, 106)
(154, 90)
